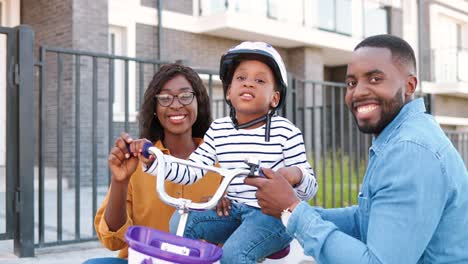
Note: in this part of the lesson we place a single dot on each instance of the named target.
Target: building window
(375, 19)
(291, 11)
(450, 55)
(210, 7)
(334, 15)
(258, 8)
(118, 47)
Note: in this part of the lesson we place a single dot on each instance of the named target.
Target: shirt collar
(410, 108)
(159, 144)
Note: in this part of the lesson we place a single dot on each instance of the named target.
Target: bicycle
(147, 245)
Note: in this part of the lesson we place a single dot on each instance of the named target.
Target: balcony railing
(347, 17)
(450, 65)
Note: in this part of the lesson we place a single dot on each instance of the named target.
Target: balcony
(450, 65)
(336, 26)
(449, 72)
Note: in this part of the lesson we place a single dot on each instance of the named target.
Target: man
(413, 204)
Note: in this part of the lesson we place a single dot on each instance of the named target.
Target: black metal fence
(336, 149)
(16, 210)
(85, 99)
(80, 95)
(460, 141)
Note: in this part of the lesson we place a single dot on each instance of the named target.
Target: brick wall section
(146, 47)
(205, 51)
(52, 25)
(90, 33)
(90, 25)
(50, 20)
(74, 25)
(146, 41)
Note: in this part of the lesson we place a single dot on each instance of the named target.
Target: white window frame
(10, 17)
(119, 34)
(438, 11)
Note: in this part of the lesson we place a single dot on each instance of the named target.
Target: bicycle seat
(280, 254)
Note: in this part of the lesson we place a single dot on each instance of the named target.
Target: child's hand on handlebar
(223, 206)
(292, 174)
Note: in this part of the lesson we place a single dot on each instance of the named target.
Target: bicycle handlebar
(181, 203)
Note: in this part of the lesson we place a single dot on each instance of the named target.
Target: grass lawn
(339, 182)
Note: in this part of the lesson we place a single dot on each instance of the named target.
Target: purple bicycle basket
(149, 242)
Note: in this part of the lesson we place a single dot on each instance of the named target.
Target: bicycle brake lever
(254, 167)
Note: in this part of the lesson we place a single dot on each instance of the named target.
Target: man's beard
(390, 109)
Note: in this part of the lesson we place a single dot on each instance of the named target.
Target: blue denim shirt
(413, 204)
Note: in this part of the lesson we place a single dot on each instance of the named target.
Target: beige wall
(451, 106)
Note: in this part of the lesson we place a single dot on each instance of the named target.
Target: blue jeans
(106, 261)
(247, 234)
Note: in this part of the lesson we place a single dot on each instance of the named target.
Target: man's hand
(274, 192)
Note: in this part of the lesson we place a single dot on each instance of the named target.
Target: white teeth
(366, 108)
(176, 117)
(246, 95)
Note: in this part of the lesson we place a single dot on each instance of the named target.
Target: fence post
(24, 193)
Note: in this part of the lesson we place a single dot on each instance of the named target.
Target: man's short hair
(400, 49)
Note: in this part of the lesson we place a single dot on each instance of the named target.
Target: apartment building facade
(315, 38)
(73, 40)
(444, 65)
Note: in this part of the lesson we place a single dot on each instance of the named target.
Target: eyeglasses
(166, 100)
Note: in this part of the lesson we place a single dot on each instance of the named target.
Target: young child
(254, 82)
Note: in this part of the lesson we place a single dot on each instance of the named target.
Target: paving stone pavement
(77, 253)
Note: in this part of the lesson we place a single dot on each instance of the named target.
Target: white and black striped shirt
(229, 147)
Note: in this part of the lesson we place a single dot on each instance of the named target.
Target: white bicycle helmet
(265, 53)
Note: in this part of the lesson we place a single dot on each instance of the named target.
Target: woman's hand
(136, 148)
(121, 163)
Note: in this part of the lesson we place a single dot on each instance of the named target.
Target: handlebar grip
(258, 174)
(144, 151)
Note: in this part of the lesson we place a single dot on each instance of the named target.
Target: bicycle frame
(176, 247)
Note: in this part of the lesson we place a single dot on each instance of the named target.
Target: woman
(175, 115)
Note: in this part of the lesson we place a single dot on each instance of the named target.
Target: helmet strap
(266, 118)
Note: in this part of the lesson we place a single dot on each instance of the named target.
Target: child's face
(252, 90)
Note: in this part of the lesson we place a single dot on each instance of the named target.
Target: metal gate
(17, 87)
